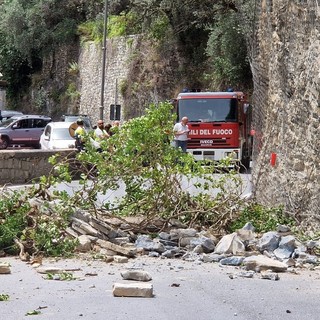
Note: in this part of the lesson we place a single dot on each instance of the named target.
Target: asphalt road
(187, 184)
(182, 290)
(113, 195)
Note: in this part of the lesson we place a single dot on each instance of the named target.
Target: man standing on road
(181, 131)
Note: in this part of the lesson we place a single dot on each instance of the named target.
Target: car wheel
(37, 146)
(4, 143)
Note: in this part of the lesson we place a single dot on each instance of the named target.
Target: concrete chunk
(260, 263)
(120, 259)
(4, 268)
(116, 248)
(142, 290)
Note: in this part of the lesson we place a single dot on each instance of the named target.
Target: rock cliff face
(286, 71)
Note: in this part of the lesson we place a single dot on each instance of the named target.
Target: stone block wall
(22, 166)
(118, 55)
(286, 71)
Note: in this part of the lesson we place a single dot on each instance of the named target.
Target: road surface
(182, 290)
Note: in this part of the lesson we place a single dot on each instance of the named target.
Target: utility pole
(104, 55)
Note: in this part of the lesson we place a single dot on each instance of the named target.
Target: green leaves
(33, 313)
(227, 50)
(4, 297)
(140, 160)
(263, 218)
(13, 219)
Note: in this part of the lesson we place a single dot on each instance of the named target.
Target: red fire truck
(219, 124)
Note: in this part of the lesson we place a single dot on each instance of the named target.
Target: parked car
(74, 117)
(7, 114)
(24, 130)
(56, 135)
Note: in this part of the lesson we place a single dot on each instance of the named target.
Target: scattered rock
(136, 275)
(116, 248)
(5, 268)
(84, 244)
(142, 290)
(259, 263)
(269, 275)
(286, 248)
(283, 229)
(230, 243)
(269, 241)
(232, 261)
(52, 270)
(246, 274)
(120, 259)
(145, 242)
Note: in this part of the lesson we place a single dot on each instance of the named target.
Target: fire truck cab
(219, 124)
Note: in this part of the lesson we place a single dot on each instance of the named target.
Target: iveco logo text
(206, 141)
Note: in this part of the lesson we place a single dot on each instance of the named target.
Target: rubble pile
(117, 240)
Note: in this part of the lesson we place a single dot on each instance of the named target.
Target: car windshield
(61, 134)
(208, 109)
(8, 122)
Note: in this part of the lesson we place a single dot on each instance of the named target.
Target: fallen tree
(140, 159)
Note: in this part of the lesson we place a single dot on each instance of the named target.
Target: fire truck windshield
(208, 109)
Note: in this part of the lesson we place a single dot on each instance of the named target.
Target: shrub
(263, 218)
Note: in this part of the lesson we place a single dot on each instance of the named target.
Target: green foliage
(33, 313)
(73, 68)
(263, 219)
(13, 219)
(63, 276)
(40, 100)
(30, 30)
(4, 297)
(91, 30)
(122, 25)
(19, 221)
(49, 237)
(140, 159)
(159, 28)
(72, 92)
(118, 25)
(227, 51)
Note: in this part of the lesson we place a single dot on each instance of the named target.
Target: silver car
(22, 130)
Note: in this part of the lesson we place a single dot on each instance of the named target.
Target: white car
(56, 135)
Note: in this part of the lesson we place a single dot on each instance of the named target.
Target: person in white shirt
(181, 131)
(100, 133)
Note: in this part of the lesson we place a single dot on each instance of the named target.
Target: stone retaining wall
(22, 166)
(119, 52)
(286, 70)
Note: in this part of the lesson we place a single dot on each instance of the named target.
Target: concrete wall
(22, 166)
(286, 69)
